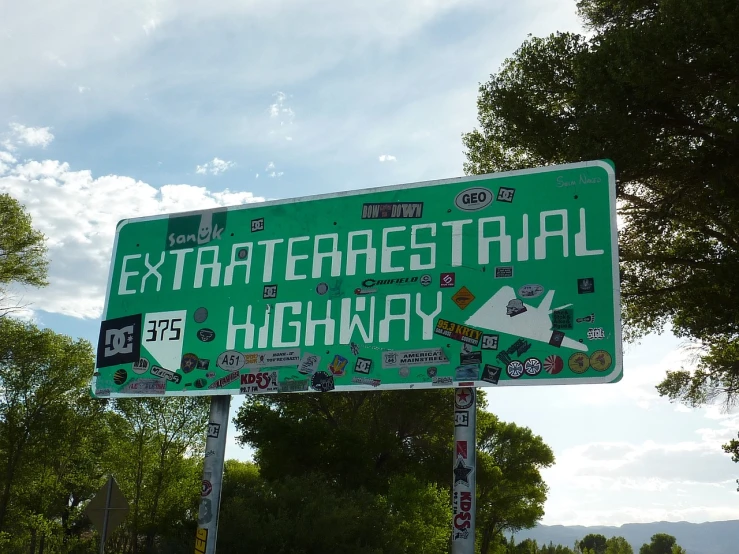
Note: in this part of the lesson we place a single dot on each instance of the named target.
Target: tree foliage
(653, 89)
(661, 543)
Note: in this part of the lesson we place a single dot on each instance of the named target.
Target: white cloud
(272, 170)
(214, 167)
(83, 89)
(79, 212)
(28, 136)
(387, 158)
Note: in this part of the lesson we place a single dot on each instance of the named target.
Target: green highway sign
(491, 280)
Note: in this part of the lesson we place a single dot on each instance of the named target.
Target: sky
(130, 108)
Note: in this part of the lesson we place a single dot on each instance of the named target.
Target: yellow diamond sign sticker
(463, 297)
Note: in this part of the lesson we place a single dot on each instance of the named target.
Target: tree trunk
(32, 547)
(42, 543)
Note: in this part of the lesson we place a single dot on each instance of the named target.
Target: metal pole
(210, 494)
(106, 512)
(465, 460)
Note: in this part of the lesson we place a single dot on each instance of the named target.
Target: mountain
(713, 537)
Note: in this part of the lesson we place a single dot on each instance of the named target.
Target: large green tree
(594, 542)
(618, 545)
(22, 251)
(654, 89)
(661, 543)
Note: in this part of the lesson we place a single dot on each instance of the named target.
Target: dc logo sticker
(119, 341)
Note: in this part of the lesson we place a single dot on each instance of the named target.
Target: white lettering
(405, 317)
(152, 270)
(483, 246)
(386, 264)
(540, 242)
(522, 245)
(214, 267)
(123, 282)
(296, 308)
(328, 323)
(369, 253)
(269, 257)
(334, 254)
(233, 328)
(581, 239)
(292, 258)
(456, 239)
(416, 258)
(349, 322)
(428, 319)
(179, 266)
(241, 254)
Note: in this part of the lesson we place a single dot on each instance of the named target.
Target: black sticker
(120, 376)
(257, 225)
(203, 364)
(462, 473)
(119, 341)
(562, 319)
(269, 292)
(363, 365)
(505, 194)
(490, 342)
(322, 382)
(200, 315)
(206, 335)
(461, 418)
(188, 363)
(392, 210)
(470, 357)
(491, 374)
(214, 429)
(557, 338)
(431, 372)
(514, 369)
(200, 383)
(503, 272)
(586, 286)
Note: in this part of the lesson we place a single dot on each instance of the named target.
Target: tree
(661, 543)
(594, 542)
(618, 545)
(732, 447)
(654, 90)
(22, 251)
(510, 489)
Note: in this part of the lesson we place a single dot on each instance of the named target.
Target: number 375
(159, 327)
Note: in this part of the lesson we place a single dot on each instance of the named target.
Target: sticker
(231, 360)
(210, 374)
(425, 280)
(447, 280)
(103, 392)
(145, 386)
(596, 333)
(441, 381)
(210, 453)
(203, 364)
(530, 291)
(505, 194)
(587, 319)
(195, 230)
(322, 382)
(431, 372)
(466, 372)
(363, 365)
(413, 358)
(461, 447)
(273, 358)
(473, 199)
(269, 291)
(579, 362)
(463, 298)
(200, 383)
(201, 537)
(164, 336)
(200, 315)
(514, 369)
(369, 283)
(520, 347)
(338, 365)
(458, 332)
(257, 225)
(366, 381)
(213, 430)
(461, 418)
(600, 360)
(141, 366)
(119, 341)
(188, 363)
(206, 488)
(585, 286)
(392, 210)
(461, 507)
(562, 319)
(504, 272)
(354, 347)
(252, 383)
(490, 342)
(309, 364)
(206, 335)
(553, 364)
(321, 288)
(515, 307)
(491, 374)
(404, 371)
(293, 385)
(532, 366)
(205, 513)
(462, 473)
(557, 338)
(223, 381)
(463, 398)
(243, 253)
(471, 357)
(120, 376)
(361, 291)
(166, 373)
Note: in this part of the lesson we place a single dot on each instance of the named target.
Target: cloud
(214, 167)
(83, 89)
(78, 213)
(387, 158)
(20, 135)
(272, 170)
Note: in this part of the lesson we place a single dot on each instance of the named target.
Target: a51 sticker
(163, 337)
(231, 360)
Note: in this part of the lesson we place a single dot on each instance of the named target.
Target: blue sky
(125, 109)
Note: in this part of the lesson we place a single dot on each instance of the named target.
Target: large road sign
(492, 280)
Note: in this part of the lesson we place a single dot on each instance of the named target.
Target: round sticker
(463, 398)
(514, 369)
(200, 315)
(532, 366)
(530, 291)
(553, 364)
(431, 372)
(321, 288)
(426, 280)
(600, 360)
(141, 366)
(231, 360)
(200, 383)
(120, 376)
(188, 363)
(206, 335)
(579, 362)
(404, 371)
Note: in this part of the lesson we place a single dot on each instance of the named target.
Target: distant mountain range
(713, 537)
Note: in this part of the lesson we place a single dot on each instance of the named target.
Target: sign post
(498, 280)
(210, 493)
(465, 464)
